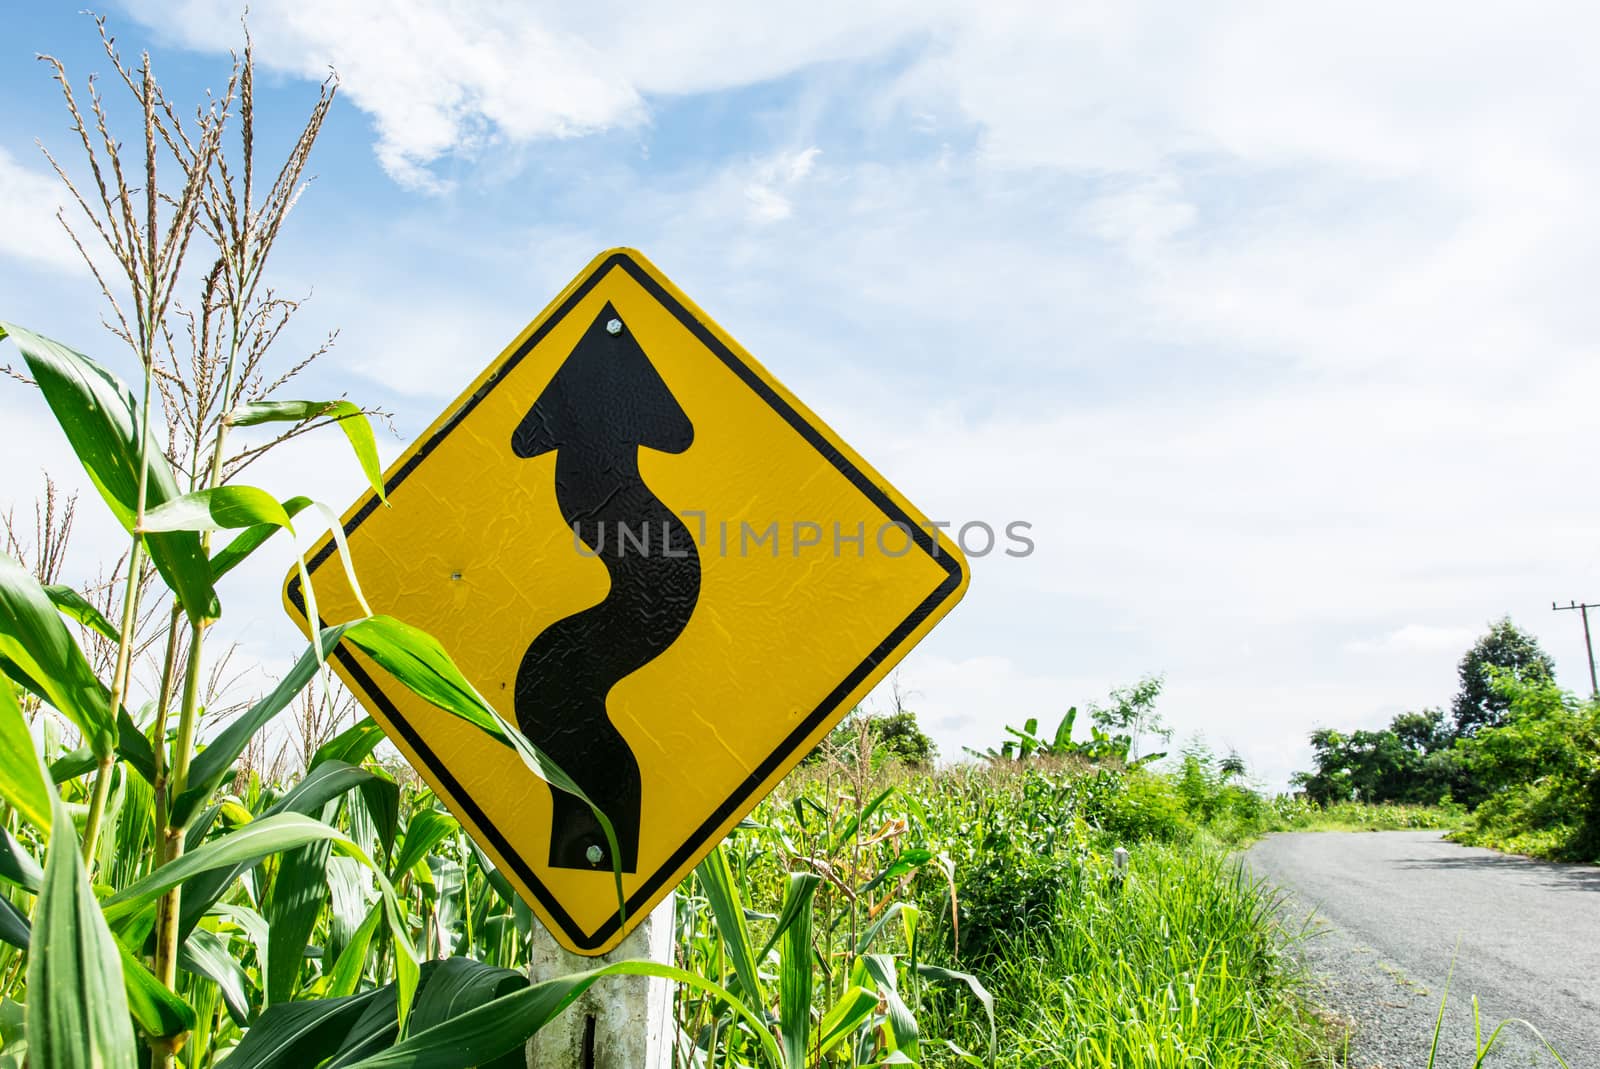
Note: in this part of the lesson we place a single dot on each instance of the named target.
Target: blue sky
(1274, 323)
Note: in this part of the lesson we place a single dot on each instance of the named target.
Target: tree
(1329, 781)
(893, 736)
(1424, 731)
(1131, 711)
(1411, 760)
(1504, 649)
(1539, 770)
(900, 739)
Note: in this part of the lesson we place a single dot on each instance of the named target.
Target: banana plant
(1100, 747)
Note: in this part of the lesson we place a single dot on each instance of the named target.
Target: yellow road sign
(632, 537)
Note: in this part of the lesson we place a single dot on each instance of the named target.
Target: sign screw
(594, 853)
(614, 326)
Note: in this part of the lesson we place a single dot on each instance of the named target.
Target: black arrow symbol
(604, 404)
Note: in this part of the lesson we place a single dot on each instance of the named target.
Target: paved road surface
(1389, 909)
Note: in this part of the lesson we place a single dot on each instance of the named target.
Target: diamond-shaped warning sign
(653, 558)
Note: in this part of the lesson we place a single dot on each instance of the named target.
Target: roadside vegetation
(1515, 765)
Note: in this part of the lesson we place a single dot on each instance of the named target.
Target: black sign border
(921, 537)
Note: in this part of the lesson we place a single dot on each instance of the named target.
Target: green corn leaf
(907, 861)
(494, 1028)
(14, 927)
(132, 746)
(101, 421)
(158, 1012)
(319, 787)
(77, 1012)
(212, 765)
(419, 663)
(379, 801)
(249, 925)
(17, 865)
(716, 877)
(981, 993)
(298, 1034)
(428, 828)
(793, 904)
(497, 879)
(336, 1031)
(357, 428)
(349, 898)
(352, 745)
(36, 645)
(854, 1008)
(902, 1022)
(873, 930)
(377, 1029)
(72, 765)
(417, 660)
(847, 831)
(251, 539)
(794, 968)
(291, 910)
(73, 604)
(457, 985)
(345, 976)
(20, 783)
(206, 954)
(246, 845)
(218, 509)
(13, 1035)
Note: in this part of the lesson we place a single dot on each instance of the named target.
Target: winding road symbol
(605, 403)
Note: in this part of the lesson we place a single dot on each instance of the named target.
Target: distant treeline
(1515, 749)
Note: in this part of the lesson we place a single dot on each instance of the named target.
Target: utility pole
(1594, 687)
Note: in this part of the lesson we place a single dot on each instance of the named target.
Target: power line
(1594, 687)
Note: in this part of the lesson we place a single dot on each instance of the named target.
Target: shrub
(1149, 806)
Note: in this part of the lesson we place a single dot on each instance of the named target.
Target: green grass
(1299, 815)
(1177, 965)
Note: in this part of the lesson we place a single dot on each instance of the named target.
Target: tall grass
(1298, 814)
(1174, 965)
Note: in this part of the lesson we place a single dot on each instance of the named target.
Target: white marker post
(622, 1022)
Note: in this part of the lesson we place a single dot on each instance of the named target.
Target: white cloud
(772, 179)
(437, 78)
(442, 77)
(1413, 638)
(28, 226)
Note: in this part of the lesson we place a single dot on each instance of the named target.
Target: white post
(622, 1022)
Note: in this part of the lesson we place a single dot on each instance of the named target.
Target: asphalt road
(1389, 911)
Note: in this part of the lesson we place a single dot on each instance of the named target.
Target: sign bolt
(594, 853)
(614, 326)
